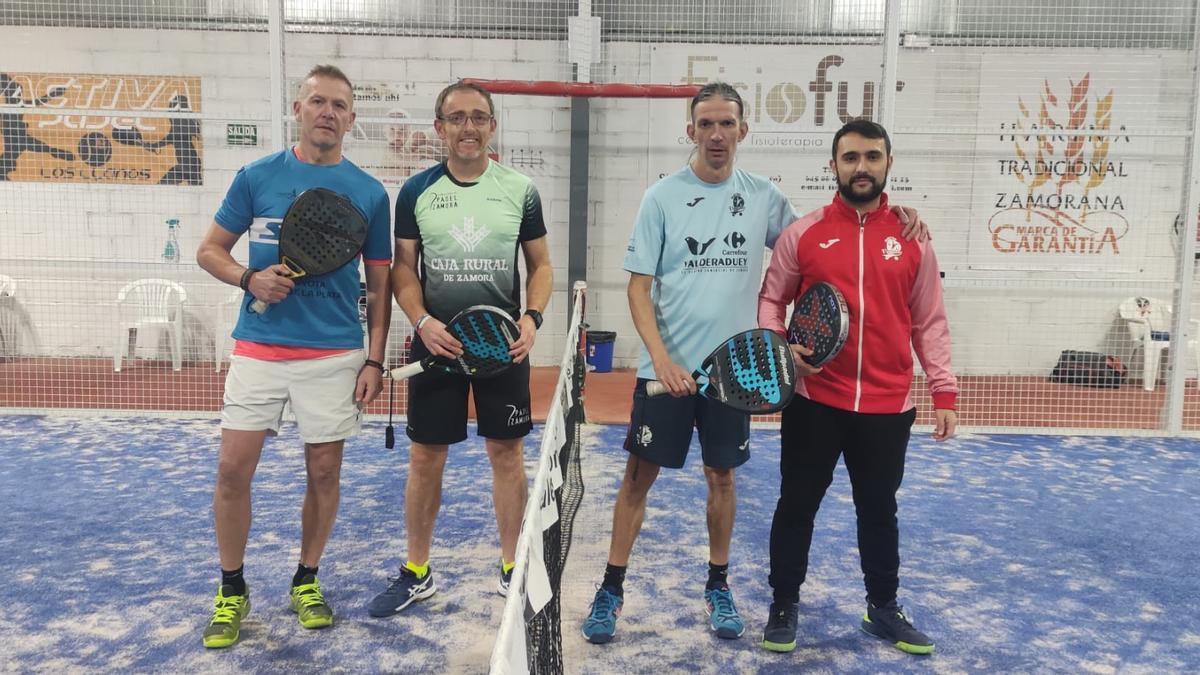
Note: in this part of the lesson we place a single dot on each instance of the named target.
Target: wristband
(244, 283)
(374, 364)
(421, 321)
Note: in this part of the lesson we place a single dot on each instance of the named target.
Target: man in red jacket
(858, 404)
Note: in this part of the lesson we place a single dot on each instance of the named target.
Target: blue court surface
(1019, 554)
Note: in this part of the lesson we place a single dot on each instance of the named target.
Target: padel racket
(750, 372)
(821, 322)
(321, 231)
(486, 334)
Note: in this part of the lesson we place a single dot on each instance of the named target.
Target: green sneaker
(228, 612)
(310, 605)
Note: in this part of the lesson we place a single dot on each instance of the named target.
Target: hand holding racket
(820, 322)
(321, 231)
(751, 372)
(485, 333)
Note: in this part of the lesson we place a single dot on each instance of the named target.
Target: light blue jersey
(321, 311)
(703, 243)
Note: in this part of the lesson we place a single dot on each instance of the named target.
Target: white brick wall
(121, 229)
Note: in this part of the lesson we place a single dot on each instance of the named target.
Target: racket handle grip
(655, 388)
(405, 372)
(258, 306)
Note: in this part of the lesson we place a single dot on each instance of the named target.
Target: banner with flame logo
(88, 128)
(1055, 188)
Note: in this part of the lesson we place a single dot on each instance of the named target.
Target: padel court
(1019, 553)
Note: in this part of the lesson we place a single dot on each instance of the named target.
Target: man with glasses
(459, 226)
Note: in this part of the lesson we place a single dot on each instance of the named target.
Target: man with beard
(695, 260)
(858, 404)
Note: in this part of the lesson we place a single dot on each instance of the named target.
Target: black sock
(301, 572)
(614, 579)
(234, 579)
(718, 576)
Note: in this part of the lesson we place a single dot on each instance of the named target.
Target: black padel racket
(750, 372)
(486, 334)
(821, 322)
(321, 231)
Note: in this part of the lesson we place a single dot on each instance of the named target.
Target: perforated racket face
(821, 322)
(751, 372)
(486, 334)
(321, 232)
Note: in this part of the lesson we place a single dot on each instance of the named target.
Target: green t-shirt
(469, 236)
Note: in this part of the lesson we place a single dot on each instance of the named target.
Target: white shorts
(321, 392)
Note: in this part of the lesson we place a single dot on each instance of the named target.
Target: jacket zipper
(862, 309)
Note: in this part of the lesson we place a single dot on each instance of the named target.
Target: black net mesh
(543, 632)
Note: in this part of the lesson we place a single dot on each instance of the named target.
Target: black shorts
(660, 430)
(437, 404)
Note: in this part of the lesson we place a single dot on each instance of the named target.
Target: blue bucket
(600, 350)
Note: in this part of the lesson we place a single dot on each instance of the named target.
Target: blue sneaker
(402, 591)
(722, 614)
(601, 624)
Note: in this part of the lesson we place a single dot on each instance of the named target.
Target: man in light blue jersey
(307, 349)
(695, 263)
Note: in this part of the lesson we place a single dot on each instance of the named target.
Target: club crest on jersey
(891, 249)
(737, 205)
(468, 235)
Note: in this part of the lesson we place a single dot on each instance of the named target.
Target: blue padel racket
(486, 334)
(321, 231)
(752, 372)
(821, 322)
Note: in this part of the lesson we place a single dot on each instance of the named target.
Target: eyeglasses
(458, 119)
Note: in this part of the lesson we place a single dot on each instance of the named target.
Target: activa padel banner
(89, 128)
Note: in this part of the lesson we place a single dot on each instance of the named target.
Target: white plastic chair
(9, 326)
(150, 303)
(227, 315)
(1149, 323)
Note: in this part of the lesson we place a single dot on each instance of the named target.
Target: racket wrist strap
(244, 283)
(374, 364)
(421, 321)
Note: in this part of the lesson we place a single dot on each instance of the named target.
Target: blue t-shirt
(321, 311)
(703, 243)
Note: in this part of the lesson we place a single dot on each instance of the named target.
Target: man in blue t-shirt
(695, 263)
(307, 349)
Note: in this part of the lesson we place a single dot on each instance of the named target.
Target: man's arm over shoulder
(931, 330)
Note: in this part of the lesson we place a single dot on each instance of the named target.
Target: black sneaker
(780, 633)
(889, 623)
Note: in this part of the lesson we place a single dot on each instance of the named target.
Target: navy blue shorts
(660, 430)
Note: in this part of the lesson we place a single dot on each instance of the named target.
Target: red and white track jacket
(894, 293)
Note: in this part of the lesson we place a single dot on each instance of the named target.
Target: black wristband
(536, 316)
(244, 283)
(374, 364)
